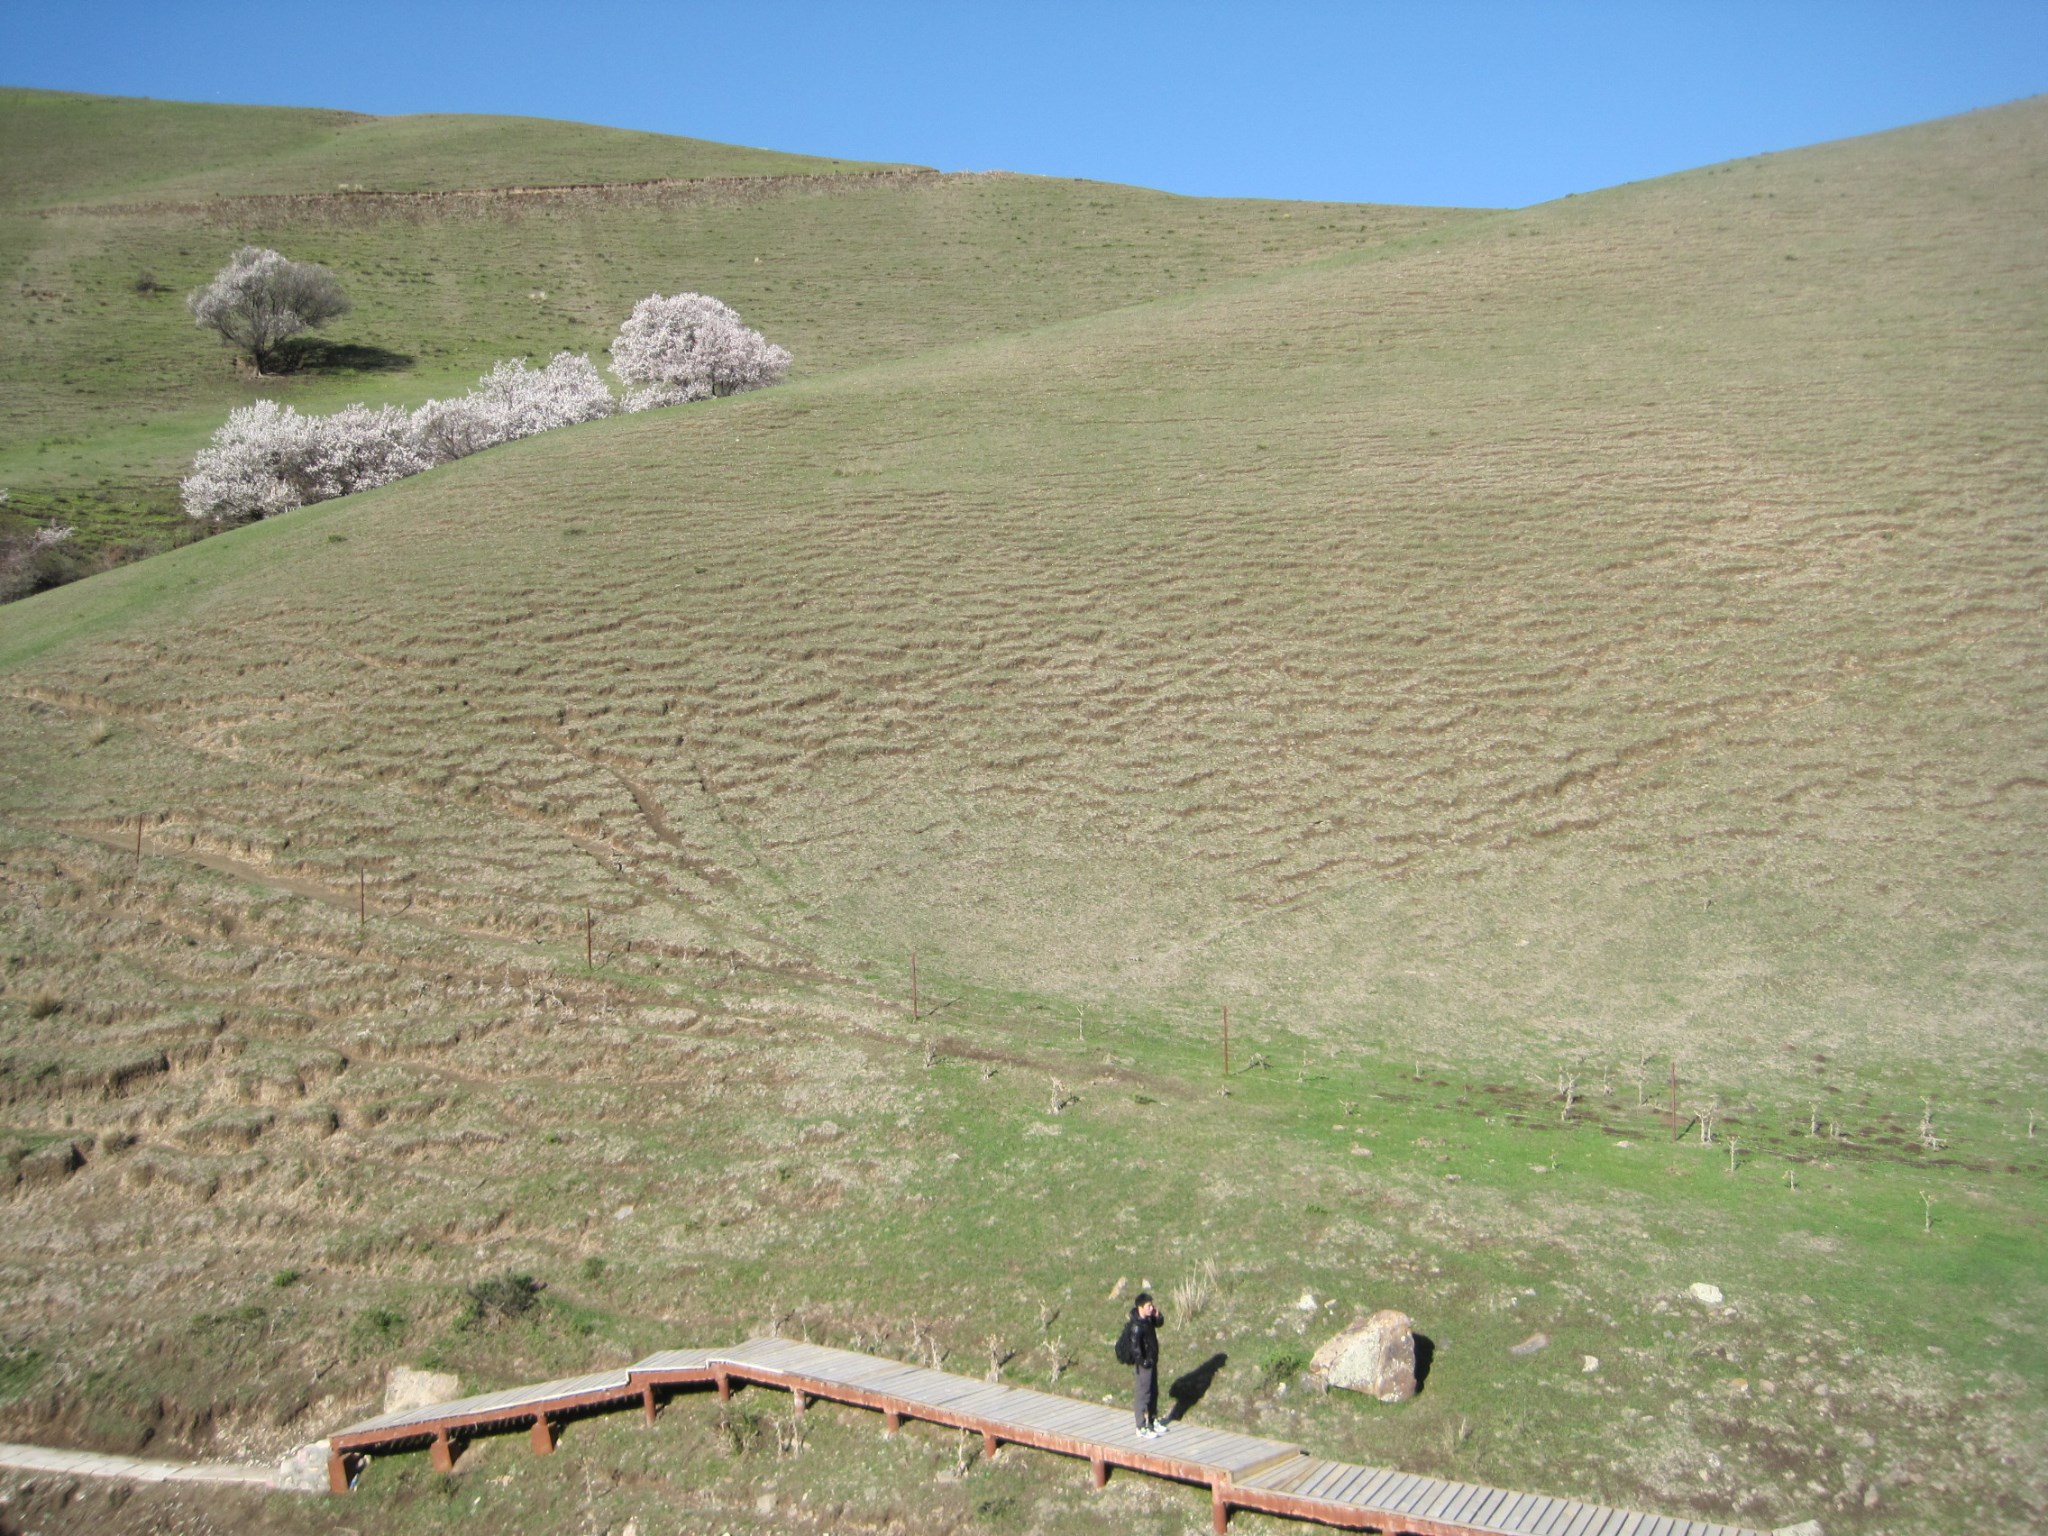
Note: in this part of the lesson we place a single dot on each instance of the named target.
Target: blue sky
(1459, 102)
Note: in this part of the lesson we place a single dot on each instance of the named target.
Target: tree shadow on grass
(1425, 1352)
(311, 354)
(1190, 1389)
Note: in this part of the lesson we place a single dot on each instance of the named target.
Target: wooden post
(1674, 1098)
(913, 986)
(1100, 1468)
(1219, 1509)
(441, 1453)
(891, 1421)
(724, 1387)
(800, 1398)
(337, 1472)
(1226, 1039)
(543, 1436)
(647, 1402)
(989, 1445)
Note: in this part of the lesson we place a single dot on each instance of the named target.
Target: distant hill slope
(106, 389)
(1618, 622)
(68, 147)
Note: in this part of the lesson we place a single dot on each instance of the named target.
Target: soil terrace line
(1240, 1471)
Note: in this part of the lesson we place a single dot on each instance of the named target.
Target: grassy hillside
(107, 389)
(64, 147)
(1500, 659)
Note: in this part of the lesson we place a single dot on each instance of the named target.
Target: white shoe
(1160, 1427)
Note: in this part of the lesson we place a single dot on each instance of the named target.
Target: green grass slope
(1497, 660)
(65, 147)
(106, 391)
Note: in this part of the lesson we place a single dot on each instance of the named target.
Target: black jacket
(1145, 1335)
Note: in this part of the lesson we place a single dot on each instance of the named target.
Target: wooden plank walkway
(1240, 1471)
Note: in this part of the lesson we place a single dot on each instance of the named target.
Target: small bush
(1282, 1363)
(501, 1296)
(285, 1278)
(45, 1005)
(377, 1328)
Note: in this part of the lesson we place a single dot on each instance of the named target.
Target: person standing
(1142, 1328)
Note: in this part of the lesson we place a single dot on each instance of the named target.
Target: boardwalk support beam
(442, 1453)
(724, 1387)
(647, 1402)
(800, 1398)
(543, 1435)
(989, 1445)
(1100, 1468)
(891, 1421)
(1219, 1509)
(337, 1472)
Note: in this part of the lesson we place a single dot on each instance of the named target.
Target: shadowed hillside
(1486, 653)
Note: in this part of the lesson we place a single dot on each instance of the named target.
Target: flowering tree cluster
(514, 401)
(269, 459)
(691, 347)
(260, 299)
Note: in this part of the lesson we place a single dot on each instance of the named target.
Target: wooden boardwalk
(1240, 1471)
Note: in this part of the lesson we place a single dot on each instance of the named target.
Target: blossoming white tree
(513, 401)
(269, 459)
(691, 347)
(260, 299)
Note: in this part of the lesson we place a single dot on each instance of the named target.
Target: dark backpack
(1127, 1342)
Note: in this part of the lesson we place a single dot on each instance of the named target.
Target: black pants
(1145, 1399)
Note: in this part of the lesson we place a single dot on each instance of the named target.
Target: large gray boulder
(1375, 1355)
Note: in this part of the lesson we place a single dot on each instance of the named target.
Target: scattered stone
(1307, 1302)
(764, 1506)
(1707, 1295)
(1803, 1528)
(1592, 1364)
(1531, 1344)
(1624, 1143)
(623, 1213)
(406, 1388)
(1375, 1355)
(1361, 1151)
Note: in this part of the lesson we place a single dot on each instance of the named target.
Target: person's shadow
(1190, 1389)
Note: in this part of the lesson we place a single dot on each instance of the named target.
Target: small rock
(764, 1506)
(1361, 1151)
(1531, 1344)
(1624, 1143)
(1803, 1528)
(1375, 1355)
(1706, 1295)
(623, 1213)
(407, 1388)
(632, 1528)
(1592, 1364)
(1307, 1302)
